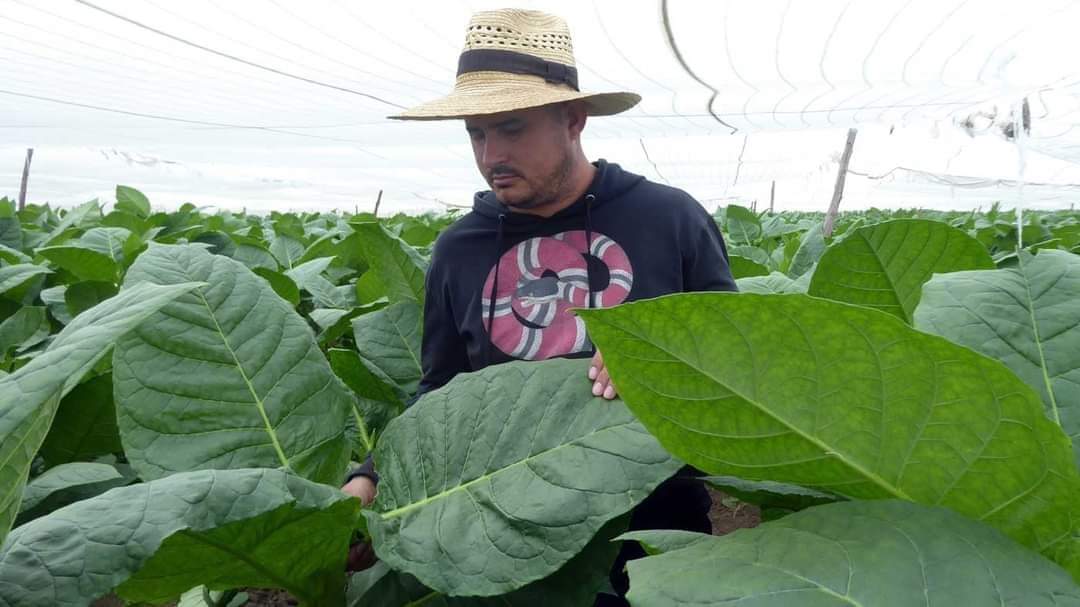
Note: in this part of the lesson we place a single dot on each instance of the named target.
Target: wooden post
(772, 197)
(838, 191)
(25, 178)
(377, 201)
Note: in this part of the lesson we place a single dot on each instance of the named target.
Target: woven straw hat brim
(481, 93)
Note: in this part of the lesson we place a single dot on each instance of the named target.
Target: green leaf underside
(32, 394)
(575, 584)
(85, 263)
(398, 267)
(1028, 317)
(769, 494)
(389, 340)
(228, 376)
(742, 267)
(66, 483)
(742, 224)
(843, 399)
(85, 424)
(767, 285)
(15, 275)
(878, 553)
(884, 266)
(503, 475)
(153, 541)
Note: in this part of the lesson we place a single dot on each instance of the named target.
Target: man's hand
(602, 385)
(363, 488)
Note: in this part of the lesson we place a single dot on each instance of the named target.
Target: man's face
(525, 156)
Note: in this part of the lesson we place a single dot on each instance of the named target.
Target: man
(555, 232)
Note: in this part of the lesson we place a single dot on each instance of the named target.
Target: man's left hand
(598, 373)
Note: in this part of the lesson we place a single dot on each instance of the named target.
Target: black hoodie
(647, 240)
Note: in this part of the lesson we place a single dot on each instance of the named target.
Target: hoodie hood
(609, 182)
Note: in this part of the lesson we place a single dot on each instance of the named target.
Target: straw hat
(516, 59)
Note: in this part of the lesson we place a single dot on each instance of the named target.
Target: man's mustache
(502, 170)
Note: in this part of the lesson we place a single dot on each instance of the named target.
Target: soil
(726, 515)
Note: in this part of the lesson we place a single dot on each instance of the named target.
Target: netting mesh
(273, 104)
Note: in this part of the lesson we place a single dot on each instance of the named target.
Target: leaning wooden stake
(838, 192)
(378, 200)
(25, 178)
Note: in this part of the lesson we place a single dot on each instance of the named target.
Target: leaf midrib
(825, 449)
(1038, 341)
(247, 381)
(396, 512)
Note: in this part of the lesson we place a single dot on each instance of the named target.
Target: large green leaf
(83, 262)
(281, 284)
(397, 265)
(11, 234)
(73, 219)
(742, 267)
(575, 584)
(118, 244)
(14, 276)
(286, 250)
(377, 401)
(501, 476)
(389, 340)
(775, 282)
(228, 376)
(845, 399)
(153, 541)
(884, 266)
(743, 226)
(85, 424)
(306, 272)
(778, 498)
(65, 484)
(30, 395)
(130, 200)
(884, 553)
(26, 328)
(1028, 317)
(811, 248)
(82, 296)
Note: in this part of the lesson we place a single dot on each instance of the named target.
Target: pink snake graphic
(540, 280)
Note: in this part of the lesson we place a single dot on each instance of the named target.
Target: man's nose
(494, 152)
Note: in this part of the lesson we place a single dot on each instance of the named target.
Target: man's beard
(547, 189)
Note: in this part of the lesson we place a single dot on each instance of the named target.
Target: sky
(281, 105)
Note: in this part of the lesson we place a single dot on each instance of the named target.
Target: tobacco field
(182, 394)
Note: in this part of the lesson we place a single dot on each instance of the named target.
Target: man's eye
(477, 135)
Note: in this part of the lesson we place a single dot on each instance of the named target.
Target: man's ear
(576, 114)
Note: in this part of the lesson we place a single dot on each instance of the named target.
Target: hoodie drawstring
(489, 347)
(589, 198)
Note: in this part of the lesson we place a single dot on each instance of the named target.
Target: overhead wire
(239, 59)
(124, 80)
(918, 48)
(371, 77)
(669, 36)
(626, 60)
(389, 39)
(130, 44)
(185, 120)
(645, 151)
(776, 61)
(355, 49)
(868, 86)
(821, 63)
